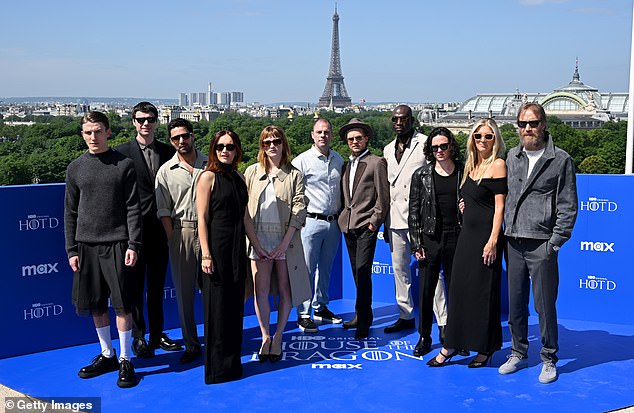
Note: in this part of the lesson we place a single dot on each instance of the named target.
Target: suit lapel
(139, 160)
(345, 180)
(408, 152)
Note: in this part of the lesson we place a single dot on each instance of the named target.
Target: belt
(185, 224)
(328, 218)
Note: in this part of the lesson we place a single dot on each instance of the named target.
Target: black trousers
(361, 244)
(150, 268)
(224, 315)
(440, 249)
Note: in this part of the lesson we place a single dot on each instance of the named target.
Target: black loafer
(141, 349)
(166, 343)
(190, 355)
(127, 376)
(100, 365)
(422, 347)
(350, 324)
(400, 325)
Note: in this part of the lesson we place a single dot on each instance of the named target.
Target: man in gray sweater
(102, 225)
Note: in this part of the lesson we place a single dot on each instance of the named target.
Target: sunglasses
(184, 137)
(355, 138)
(150, 119)
(534, 123)
(479, 136)
(272, 142)
(403, 119)
(442, 147)
(221, 146)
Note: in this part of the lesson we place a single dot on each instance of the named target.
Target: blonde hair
(499, 150)
(273, 132)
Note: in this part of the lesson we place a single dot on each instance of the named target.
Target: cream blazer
(399, 175)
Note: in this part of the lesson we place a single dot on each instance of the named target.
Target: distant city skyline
(408, 51)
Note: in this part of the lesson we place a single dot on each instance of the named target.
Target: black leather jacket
(422, 204)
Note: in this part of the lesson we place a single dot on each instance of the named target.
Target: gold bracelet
(206, 257)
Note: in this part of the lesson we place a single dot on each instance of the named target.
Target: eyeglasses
(479, 136)
(221, 146)
(403, 119)
(355, 138)
(442, 147)
(183, 136)
(150, 119)
(272, 142)
(534, 123)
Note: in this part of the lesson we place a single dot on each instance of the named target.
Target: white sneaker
(549, 373)
(513, 364)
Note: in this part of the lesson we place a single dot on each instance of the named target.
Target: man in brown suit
(366, 200)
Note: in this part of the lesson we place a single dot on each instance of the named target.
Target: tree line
(40, 153)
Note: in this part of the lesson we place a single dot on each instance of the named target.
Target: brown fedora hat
(355, 123)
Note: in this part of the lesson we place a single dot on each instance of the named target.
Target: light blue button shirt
(322, 180)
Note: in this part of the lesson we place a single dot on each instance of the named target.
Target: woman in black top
(434, 223)
(221, 204)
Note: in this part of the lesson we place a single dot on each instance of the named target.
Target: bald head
(402, 120)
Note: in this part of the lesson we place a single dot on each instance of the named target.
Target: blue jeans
(320, 240)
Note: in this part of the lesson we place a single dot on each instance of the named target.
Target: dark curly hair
(453, 144)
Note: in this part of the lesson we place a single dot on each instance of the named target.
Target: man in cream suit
(366, 202)
(404, 155)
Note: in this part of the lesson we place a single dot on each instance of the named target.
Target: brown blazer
(370, 194)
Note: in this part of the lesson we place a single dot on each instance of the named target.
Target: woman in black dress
(221, 200)
(473, 321)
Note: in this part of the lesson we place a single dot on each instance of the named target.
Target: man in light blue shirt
(322, 169)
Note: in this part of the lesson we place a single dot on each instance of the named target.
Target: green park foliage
(40, 153)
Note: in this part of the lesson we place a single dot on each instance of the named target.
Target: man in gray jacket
(539, 214)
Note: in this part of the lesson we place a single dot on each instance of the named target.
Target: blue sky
(279, 50)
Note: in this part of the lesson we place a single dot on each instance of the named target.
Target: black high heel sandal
(275, 357)
(477, 364)
(434, 363)
(262, 357)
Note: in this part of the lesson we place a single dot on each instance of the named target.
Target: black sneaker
(327, 316)
(307, 325)
(127, 376)
(100, 365)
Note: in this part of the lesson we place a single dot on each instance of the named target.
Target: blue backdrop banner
(595, 282)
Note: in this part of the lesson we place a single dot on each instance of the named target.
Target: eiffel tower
(335, 94)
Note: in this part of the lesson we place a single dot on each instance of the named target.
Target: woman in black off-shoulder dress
(473, 311)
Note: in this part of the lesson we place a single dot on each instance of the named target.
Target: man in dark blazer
(366, 199)
(148, 154)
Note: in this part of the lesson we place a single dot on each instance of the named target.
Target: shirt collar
(319, 154)
(356, 158)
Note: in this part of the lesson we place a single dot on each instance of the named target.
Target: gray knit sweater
(101, 204)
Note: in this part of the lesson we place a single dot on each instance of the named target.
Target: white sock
(125, 341)
(105, 341)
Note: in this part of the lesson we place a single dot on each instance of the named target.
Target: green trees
(41, 152)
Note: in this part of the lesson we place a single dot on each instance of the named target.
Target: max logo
(597, 246)
(29, 270)
(337, 366)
